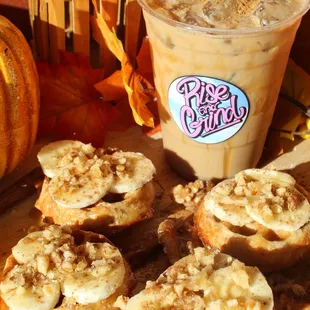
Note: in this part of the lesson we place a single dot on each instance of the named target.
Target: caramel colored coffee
(218, 74)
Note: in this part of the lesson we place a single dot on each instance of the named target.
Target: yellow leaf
(137, 96)
(112, 88)
(102, 34)
(304, 128)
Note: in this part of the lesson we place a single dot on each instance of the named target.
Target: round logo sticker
(206, 109)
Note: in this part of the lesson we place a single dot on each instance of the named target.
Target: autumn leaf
(137, 94)
(133, 82)
(71, 107)
(102, 34)
(112, 88)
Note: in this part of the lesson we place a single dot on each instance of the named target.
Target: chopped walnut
(81, 265)
(191, 195)
(267, 196)
(277, 209)
(79, 165)
(232, 302)
(64, 257)
(281, 191)
(206, 278)
(282, 287)
(43, 263)
(179, 289)
(67, 266)
(298, 290)
(240, 179)
(110, 150)
(120, 165)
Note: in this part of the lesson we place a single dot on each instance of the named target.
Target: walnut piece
(79, 165)
(191, 195)
(273, 198)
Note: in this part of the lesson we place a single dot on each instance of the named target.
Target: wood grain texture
(81, 26)
(42, 34)
(19, 16)
(21, 4)
(133, 33)
(110, 12)
(20, 190)
(56, 22)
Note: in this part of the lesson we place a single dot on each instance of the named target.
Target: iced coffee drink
(218, 68)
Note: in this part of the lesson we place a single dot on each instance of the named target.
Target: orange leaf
(103, 35)
(112, 88)
(133, 82)
(71, 107)
(124, 119)
(137, 97)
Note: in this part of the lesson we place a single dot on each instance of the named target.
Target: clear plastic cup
(217, 91)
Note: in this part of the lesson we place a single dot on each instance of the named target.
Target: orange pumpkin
(19, 97)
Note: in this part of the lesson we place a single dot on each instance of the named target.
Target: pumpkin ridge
(4, 126)
(19, 97)
(24, 58)
(16, 95)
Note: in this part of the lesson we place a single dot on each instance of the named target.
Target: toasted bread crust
(102, 217)
(66, 304)
(259, 247)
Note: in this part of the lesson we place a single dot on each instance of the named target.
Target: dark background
(17, 12)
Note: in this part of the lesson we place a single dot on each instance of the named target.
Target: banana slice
(289, 212)
(24, 289)
(132, 171)
(82, 183)
(228, 211)
(226, 206)
(273, 200)
(50, 155)
(39, 243)
(265, 196)
(27, 248)
(204, 280)
(276, 177)
(99, 280)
